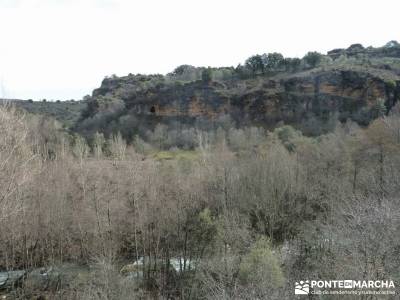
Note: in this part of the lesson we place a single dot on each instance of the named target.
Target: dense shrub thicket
(246, 212)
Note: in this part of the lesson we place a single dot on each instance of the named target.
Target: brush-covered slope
(355, 83)
(311, 93)
(66, 112)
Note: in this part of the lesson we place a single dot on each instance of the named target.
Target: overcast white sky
(62, 49)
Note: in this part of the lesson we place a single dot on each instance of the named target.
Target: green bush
(312, 59)
(206, 75)
(260, 267)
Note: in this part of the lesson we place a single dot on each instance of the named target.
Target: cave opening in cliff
(153, 110)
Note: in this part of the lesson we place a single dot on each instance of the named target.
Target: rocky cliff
(337, 90)
(356, 83)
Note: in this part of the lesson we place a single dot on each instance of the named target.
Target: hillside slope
(356, 83)
(66, 112)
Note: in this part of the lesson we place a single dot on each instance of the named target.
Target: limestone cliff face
(356, 83)
(342, 91)
(346, 92)
(192, 100)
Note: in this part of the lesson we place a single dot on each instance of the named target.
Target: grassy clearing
(176, 155)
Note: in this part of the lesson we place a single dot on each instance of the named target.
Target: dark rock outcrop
(348, 92)
(347, 88)
(391, 49)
